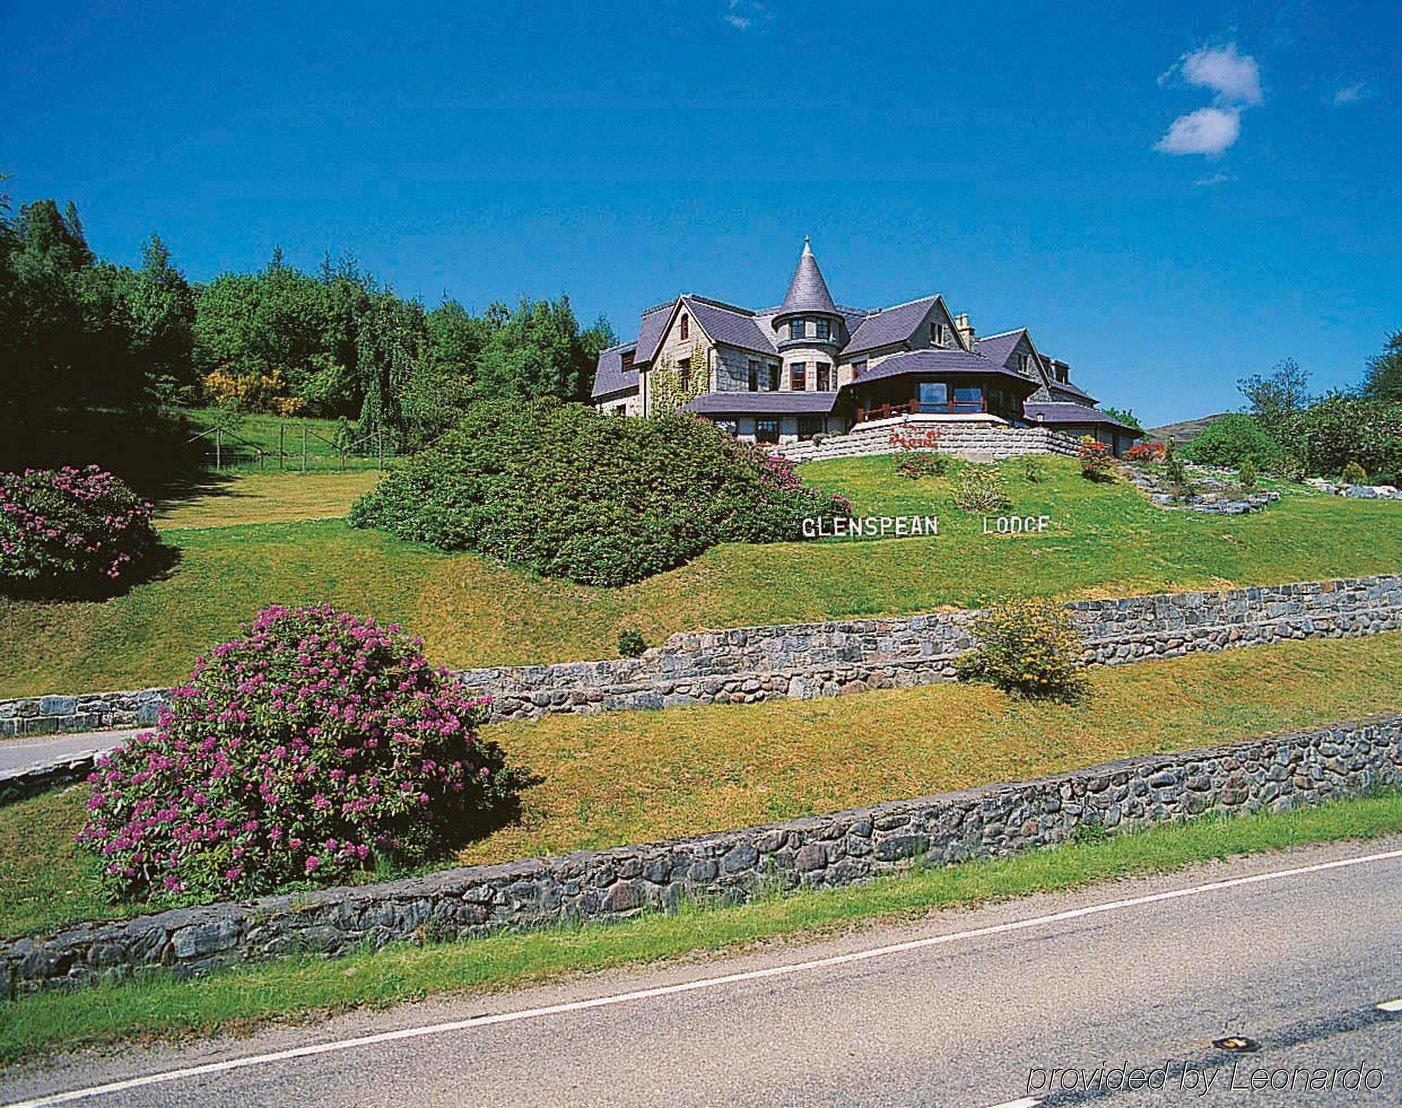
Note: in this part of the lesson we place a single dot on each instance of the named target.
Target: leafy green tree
(536, 350)
(1384, 381)
(389, 344)
(161, 314)
(1124, 415)
(1232, 439)
(1276, 398)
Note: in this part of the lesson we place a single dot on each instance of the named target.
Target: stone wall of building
(985, 438)
(842, 848)
(748, 664)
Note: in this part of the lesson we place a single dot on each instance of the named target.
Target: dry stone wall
(842, 848)
(988, 441)
(749, 664)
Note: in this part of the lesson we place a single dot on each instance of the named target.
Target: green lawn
(245, 435)
(308, 987)
(1105, 540)
(646, 776)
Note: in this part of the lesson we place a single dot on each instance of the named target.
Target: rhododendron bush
(567, 492)
(314, 745)
(70, 529)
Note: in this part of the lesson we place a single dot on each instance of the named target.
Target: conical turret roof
(808, 292)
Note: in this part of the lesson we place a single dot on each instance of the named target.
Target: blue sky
(1170, 196)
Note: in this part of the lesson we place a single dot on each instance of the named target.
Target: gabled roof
(997, 347)
(730, 325)
(888, 326)
(650, 331)
(611, 377)
(936, 361)
(763, 403)
(1052, 414)
(808, 292)
(1074, 392)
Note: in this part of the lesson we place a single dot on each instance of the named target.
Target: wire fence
(298, 449)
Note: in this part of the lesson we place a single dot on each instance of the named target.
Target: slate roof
(996, 348)
(938, 361)
(1058, 412)
(808, 292)
(1074, 391)
(732, 326)
(611, 377)
(888, 326)
(763, 403)
(650, 330)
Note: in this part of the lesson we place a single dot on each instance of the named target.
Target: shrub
(1230, 439)
(1032, 471)
(70, 530)
(1145, 453)
(1027, 647)
(1354, 474)
(979, 488)
(1340, 429)
(313, 746)
(914, 464)
(567, 492)
(254, 392)
(631, 643)
(1097, 462)
(1246, 474)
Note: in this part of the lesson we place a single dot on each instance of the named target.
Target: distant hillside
(1182, 433)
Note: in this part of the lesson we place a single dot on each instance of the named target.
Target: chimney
(966, 332)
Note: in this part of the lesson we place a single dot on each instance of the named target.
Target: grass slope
(1104, 540)
(645, 776)
(237, 999)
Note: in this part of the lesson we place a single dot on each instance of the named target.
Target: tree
(161, 312)
(389, 344)
(1384, 381)
(1275, 399)
(536, 350)
(1125, 416)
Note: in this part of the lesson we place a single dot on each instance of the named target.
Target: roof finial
(808, 244)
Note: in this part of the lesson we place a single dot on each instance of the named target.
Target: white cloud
(1207, 131)
(1234, 77)
(745, 14)
(1352, 94)
(1214, 180)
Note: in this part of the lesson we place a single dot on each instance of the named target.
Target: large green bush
(1340, 429)
(1027, 647)
(1230, 440)
(567, 492)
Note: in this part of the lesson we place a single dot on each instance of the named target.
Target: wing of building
(812, 366)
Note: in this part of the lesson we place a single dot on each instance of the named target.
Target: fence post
(304, 448)
(281, 445)
(218, 449)
(381, 465)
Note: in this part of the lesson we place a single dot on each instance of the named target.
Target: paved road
(1297, 962)
(17, 753)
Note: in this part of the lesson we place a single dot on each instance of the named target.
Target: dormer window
(821, 328)
(798, 328)
(685, 326)
(939, 334)
(625, 361)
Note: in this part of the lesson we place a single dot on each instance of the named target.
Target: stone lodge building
(813, 367)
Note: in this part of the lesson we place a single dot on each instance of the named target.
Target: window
(766, 430)
(937, 334)
(1025, 361)
(858, 368)
(798, 328)
(625, 360)
(995, 400)
(968, 398)
(621, 410)
(820, 328)
(684, 365)
(934, 396)
(808, 426)
(729, 426)
(824, 374)
(773, 377)
(798, 376)
(754, 375)
(685, 326)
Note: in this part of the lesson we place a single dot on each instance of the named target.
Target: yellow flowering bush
(1027, 647)
(260, 392)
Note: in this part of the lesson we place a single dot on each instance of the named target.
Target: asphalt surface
(1298, 963)
(19, 753)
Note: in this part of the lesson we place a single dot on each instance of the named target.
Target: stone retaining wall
(748, 664)
(16, 784)
(983, 438)
(1278, 773)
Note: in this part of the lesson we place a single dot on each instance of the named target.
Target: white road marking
(1391, 1005)
(1021, 1102)
(786, 970)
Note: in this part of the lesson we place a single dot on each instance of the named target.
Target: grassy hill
(1182, 433)
(245, 545)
